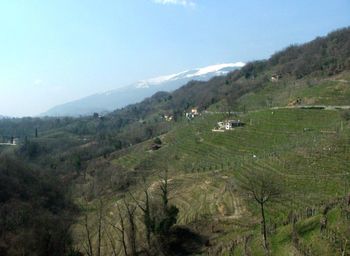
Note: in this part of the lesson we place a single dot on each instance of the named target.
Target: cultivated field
(308, 149)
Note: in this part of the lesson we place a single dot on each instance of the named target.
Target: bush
(157, 141)
(346, 115)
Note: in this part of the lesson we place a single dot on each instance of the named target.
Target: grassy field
(307, 148)
(311, 91)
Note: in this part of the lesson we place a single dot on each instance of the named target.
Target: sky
(56, 51)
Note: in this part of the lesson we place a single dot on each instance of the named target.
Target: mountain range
(121, 97)
(3, 117)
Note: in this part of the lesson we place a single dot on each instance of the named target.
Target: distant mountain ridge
(3, 117)
(121, 97)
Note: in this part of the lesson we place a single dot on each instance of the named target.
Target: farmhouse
(11, 142)
(233, 123)
(275, 78)
(167, 118)
(194, 112)
(228, 125)
(15, 141)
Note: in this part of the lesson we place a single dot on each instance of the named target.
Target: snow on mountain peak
(157, 80)
(136, 92)
(218, 69)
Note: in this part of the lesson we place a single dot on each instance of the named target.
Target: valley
(137, 182)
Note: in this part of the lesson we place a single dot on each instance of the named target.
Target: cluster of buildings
(189, 115)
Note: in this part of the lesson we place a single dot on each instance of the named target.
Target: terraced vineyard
(333, 91)
(307, 148)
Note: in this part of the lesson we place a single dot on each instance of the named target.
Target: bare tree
(88, 246)
(230, 104)
(121, 229)
(262, 187)
(112, 242)
(126, 228)
(148, 220)
(93, 228)
(130, 211)
(99, 226)
(164, 190)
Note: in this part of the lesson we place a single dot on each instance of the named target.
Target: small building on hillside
(194, 112)
(295, 102)
(228, 125)
(167, 117)
(275, 77)
(221, 125)
(12, 141)
(97, 115)
(155, 146)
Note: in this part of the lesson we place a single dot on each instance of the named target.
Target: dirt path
(7, 144)
(156, 184)
(326, 107)
(339, 80)
(238, 207)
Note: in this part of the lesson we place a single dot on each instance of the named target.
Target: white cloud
(186, 3)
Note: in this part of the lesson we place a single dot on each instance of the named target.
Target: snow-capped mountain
(118, 98)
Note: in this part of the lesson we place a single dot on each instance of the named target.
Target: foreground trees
(142, 224)
(262, 187)
(35, 215)
(158, 217)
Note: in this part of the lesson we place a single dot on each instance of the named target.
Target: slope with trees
(105, 159)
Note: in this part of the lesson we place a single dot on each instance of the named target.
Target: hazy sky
(54, 51)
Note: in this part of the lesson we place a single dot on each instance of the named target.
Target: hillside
(118, 98)
(146, 185)
(305, 148)
(3, 117)
(296, 79)
(35, 211)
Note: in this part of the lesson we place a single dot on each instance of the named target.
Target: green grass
(306, 148)
(321, 91)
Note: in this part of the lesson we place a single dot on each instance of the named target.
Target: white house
(221, 125)
(275, 78)
(229, 124)
(168, 118)
(194, 112)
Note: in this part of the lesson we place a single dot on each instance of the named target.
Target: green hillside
(307, 148)
(146, 185)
